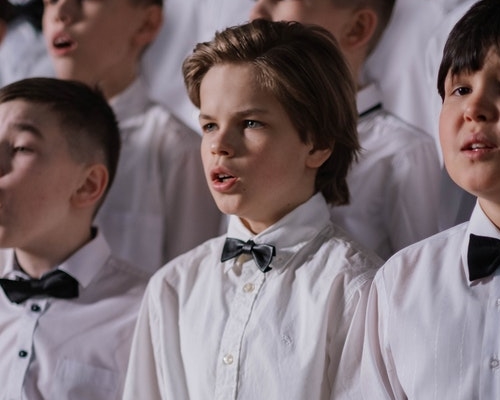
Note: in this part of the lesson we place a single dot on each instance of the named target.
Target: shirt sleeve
(346, 384)
(379, 379)
(141, 381)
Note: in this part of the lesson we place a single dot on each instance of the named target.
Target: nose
(480, 107)
(221, 143)
(64, 11)
(260, 10)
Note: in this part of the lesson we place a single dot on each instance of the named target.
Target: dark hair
(383, 9)
(7, 11)
(88, 122)
(306, 72)
(470, 40)
(147, 2)
(32, 11)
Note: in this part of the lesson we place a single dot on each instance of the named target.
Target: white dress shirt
(394, 186)
(430, 333)
(212, 330)
(23, 53)
(78, 348)
(398, 66)
(159, 205)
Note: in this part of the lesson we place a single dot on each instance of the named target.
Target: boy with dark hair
(275, 308)
(395, 183)
(67, 307)
(159, 206)
(433, 316)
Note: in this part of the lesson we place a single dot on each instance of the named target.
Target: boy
(269, 312)
(395, 183)
(160, 205)
(432, 320)
(67, 307)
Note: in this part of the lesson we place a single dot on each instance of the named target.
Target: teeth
(61, 42)
(222, 177)
(475, 146)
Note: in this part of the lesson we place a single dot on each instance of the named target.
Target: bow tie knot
(261, 253)
(483, 256)
(55, 284)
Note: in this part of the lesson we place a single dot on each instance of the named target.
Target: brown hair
(304, 69)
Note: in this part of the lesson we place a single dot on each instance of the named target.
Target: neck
(492, 211)
(39, 259)
(113, 87)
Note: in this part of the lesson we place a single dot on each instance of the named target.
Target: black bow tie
(55, 284)
(483, 256)
(261, 253)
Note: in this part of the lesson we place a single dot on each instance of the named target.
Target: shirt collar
(83, 265)
(289, 234)
(480, 225)
(368, 99)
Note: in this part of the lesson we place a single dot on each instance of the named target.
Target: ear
(317, 157)
(360, 29)
(92, 186)
(151, 23)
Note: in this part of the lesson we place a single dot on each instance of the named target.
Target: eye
(207, 128)
(251, 124)
(21, 149)
(461, 91)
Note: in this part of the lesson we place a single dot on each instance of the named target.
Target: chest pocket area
(79, 381)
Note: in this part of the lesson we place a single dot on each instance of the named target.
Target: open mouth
(222, 177)
(477, 146)
(63, 42)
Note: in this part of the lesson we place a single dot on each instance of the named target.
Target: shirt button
(494, 363)
(228, 359)
(35, 308)
(249, 287)
(498, 303)
(23, 353)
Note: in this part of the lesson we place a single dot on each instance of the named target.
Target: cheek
(448, 131)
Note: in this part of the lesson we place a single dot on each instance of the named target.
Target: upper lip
(478, 141)
(62, 38)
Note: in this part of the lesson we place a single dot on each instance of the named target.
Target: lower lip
(479, 154)
(225, 185)
(63, 51)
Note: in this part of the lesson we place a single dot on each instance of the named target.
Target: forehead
(24, 116)
(237, 90)
(239, 81)
(489, 60)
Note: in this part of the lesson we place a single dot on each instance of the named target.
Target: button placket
(33, 310)
(232, 338)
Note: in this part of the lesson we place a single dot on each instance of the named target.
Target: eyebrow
(28, 127)
(240, 114)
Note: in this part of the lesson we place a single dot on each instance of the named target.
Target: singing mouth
(222, 177)
(63, 42)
